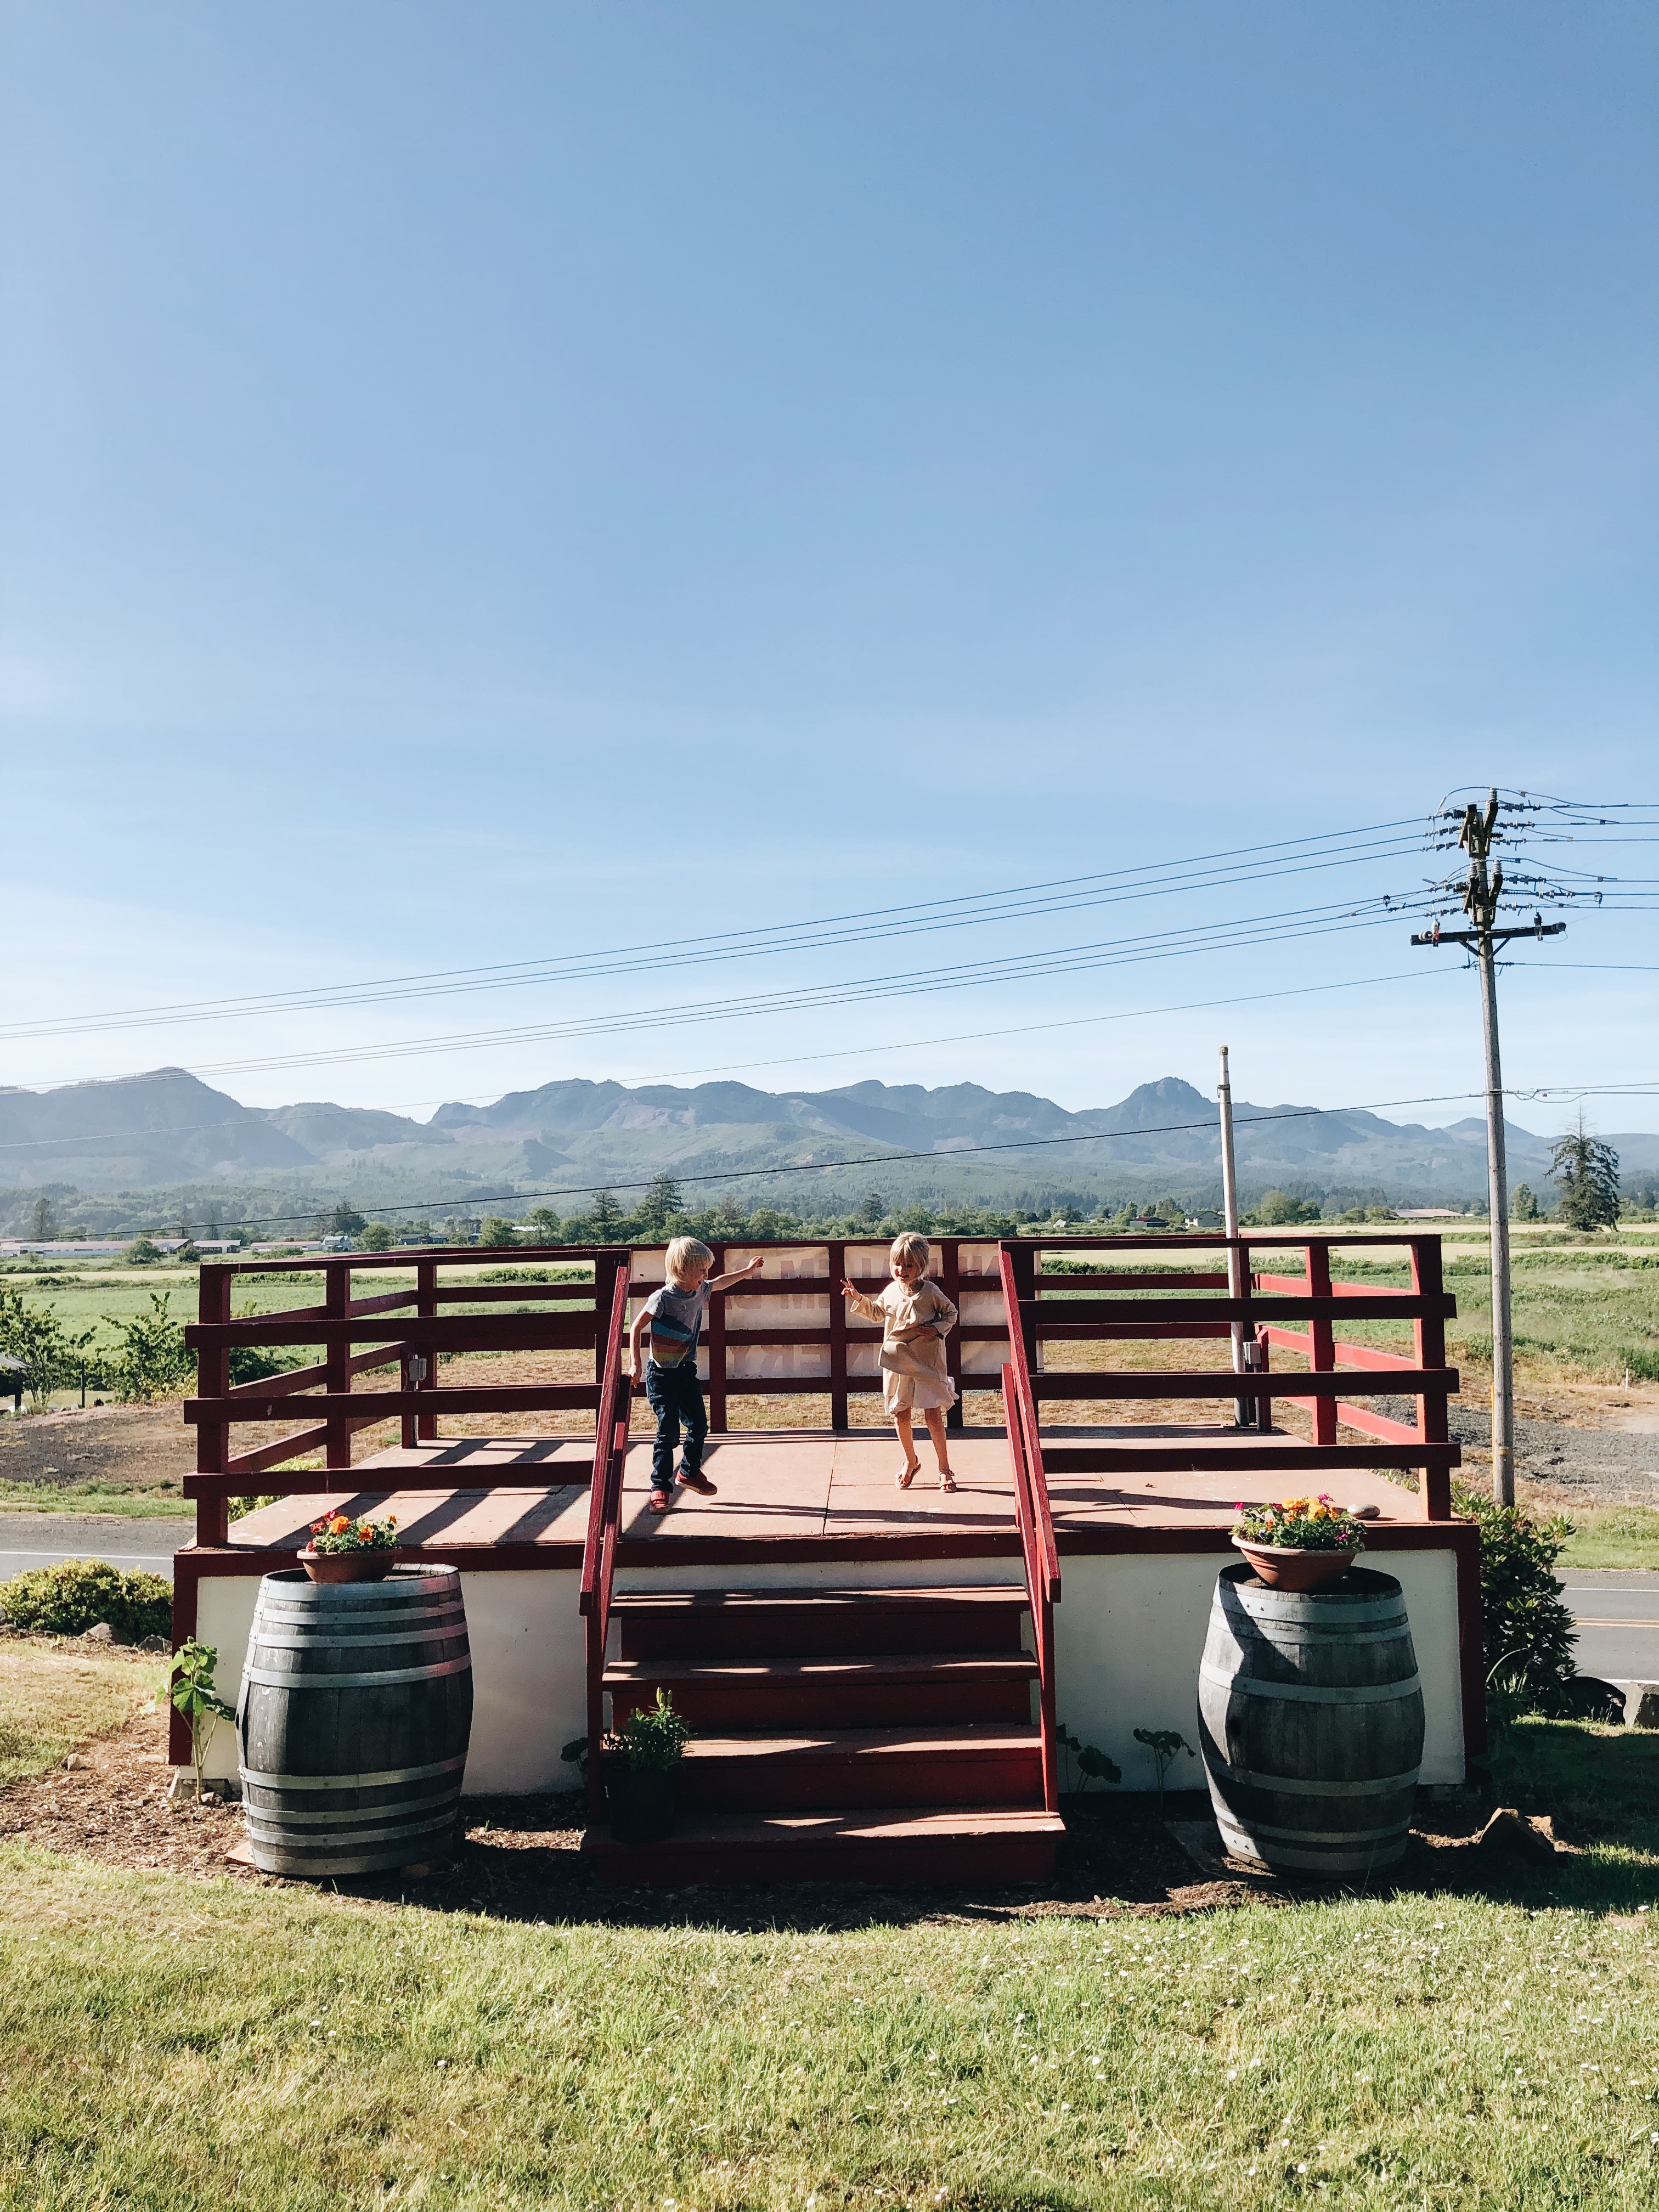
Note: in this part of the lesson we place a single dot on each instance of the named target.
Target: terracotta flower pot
(1285, 1566)
(346, 1566)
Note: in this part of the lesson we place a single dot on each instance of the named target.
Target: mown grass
(205, 2046)
(1613, 1537)
(88, 1499)
(54, 1702)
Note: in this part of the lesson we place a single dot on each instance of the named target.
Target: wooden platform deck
(799, 1488)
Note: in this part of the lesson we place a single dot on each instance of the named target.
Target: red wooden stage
(810, 1590)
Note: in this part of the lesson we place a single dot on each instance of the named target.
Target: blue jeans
(674, 1395)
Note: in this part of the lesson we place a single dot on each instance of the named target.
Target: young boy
(674, 1316)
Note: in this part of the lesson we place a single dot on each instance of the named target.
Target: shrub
(1525, 1627)
(251, 1363)
(76, 1595)
(377, 1238)
(152, 1362)
(496, 1231)
(143, 1252)
(33, 1337)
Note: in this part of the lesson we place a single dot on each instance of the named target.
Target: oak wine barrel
(353, 1722)
(1310, 1721)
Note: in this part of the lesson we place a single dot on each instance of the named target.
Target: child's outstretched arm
(725, 1282)
(641, 1322)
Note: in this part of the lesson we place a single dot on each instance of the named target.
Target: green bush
(76, 1595)
(251, 1363)
(1527, 1629)
(1643, 1361)
(152, 1362)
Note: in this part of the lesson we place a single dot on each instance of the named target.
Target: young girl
(915, 1316)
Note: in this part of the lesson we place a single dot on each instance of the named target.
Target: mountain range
(167, 1130)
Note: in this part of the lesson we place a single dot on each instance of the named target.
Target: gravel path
(1589, 1467)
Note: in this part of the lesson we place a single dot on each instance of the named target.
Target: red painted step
(773, 1693)
(816, 1622)
(843, 1768)
(950, 1848)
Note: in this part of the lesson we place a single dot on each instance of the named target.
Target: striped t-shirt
(676, 1322)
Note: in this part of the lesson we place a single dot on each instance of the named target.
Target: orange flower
(338, 1523)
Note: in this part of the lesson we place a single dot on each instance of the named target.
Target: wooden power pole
(1481, 893)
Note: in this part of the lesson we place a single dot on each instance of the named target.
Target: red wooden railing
(1037, 1531)
(604, 1521)
(1051, 1308)
(403, 1329)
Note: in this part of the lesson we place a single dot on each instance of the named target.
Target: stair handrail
(603, 1520)
(1036, 1526)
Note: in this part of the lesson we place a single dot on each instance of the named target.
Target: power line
(1021, 902)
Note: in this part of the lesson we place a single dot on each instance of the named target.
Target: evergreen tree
(605, 1217)
(1524, 1206)
(657, 1209)
(1588, 1173)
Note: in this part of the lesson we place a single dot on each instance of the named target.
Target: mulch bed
(521, 1858)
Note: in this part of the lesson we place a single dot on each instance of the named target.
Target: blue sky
(493, 483)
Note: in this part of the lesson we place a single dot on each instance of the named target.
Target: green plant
(190, 1686)
(74, 1595)
(496, 1231)
(377, 1236)
(652, 1739)
(33, 1337)
(1303, 1524)
(251, 1363)
(1165, 1745)
(340, 1532)
(575, 1754)
(1526, 1628)
(1091, 1764)
(238, 1509)
(152, 1361)
(143, 1252)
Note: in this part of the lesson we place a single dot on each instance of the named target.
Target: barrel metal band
(275, 1682)
(356, 1624)
(337, 1816)
(325, 1638)
(1307, 1694)
(1287, 1785)
(1349, 1836)
(388, 1775)
(1288, 1633)
(260, 1834)
(1364, 1616)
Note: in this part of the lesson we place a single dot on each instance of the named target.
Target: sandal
(946, 1479)
(902, 1480)
(658, 1501)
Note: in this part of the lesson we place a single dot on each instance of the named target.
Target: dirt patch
(521, 1859)
(141, 1448)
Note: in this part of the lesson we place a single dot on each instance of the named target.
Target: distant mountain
(168, 1129)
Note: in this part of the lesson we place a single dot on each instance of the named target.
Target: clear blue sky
(495, 482)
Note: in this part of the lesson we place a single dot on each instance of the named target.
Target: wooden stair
(840, 1735)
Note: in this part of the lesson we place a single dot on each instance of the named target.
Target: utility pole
(1481, 894)
(1244, 1410)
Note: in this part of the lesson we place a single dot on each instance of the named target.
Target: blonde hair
(911, 1244)
(683, 1254)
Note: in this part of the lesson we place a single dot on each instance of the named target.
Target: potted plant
(639, 1765)
(344, 1550)
(1299, 1544)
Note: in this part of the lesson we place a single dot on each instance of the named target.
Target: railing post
(426, 1309)
(950, 1284)
(1434, 1484)
(1322, 1337)
(837, 1262)
(717, 1349)
(1022, 1257)
(337, 1304)
(213, 1381)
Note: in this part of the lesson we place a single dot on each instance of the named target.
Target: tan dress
(915, 1320)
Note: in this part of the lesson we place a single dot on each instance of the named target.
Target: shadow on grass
(522, 1859)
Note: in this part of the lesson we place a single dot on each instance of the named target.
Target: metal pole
(1244, 1410)
(1498, 1197)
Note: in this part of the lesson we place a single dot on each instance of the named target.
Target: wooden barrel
(1310, 1720)
(355, 1709)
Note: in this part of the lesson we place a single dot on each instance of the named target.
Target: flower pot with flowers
(344, 1548)
(1299, 1544)
(641, 1764)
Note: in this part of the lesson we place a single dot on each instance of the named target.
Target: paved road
(38, 1540)
(1617, 1617)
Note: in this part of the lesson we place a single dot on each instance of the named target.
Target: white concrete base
(1130, 1631)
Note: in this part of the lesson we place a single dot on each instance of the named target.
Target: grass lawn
(182, 2045)
(1613, 1537)
(53, 1701)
